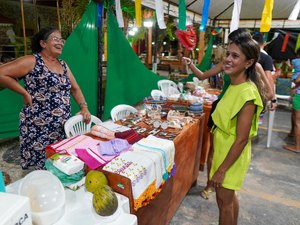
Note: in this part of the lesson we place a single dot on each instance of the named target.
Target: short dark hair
(259, 38)
(43, 34)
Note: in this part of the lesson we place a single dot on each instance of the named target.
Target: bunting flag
(285, 41)
(266, 18)
(159, 7)
(297, 43)
(205, 11)
(235, 18)
(105, 44)
(138, 13)
(266, 37)
(119, 13)
(294, 14)
(182, 15)
(99, 14)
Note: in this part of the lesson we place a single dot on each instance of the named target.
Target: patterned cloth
(42, 124)
(225, 120)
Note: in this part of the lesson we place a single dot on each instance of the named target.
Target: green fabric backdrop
(128, 80)
(11, 104)
(81, 54)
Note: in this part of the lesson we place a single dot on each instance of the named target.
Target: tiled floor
(270, 195)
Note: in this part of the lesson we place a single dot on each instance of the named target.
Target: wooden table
(206, 138)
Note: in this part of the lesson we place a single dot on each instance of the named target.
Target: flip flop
(291, 148)
(205, 193)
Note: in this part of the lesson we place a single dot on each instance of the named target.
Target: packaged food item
(69, 164)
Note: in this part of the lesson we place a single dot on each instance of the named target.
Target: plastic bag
(65, 179)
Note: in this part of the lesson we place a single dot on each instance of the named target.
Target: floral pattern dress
(42, 124)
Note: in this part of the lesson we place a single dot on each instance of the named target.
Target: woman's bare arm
(203, 75)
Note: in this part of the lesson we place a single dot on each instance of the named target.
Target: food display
(105, 201)
(94, 179)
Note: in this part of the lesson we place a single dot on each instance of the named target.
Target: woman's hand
(85, 114)
(27, 99)
(186, 61)
(217, 179)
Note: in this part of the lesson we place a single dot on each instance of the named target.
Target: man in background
(266, 62)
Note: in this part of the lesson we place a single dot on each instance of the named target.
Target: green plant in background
(171, 28)
(19, 46)
(71, 13)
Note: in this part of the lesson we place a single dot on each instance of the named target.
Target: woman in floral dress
(48, 83)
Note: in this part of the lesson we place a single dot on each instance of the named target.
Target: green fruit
(95, 179)
(105, 201)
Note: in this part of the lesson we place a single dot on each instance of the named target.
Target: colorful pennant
(159, 7)
(138, 13)
(235, 18)
(266, 18)
(182, 15)
(205, 11)
(297, 43)
(285, 41)
(294, 14)
(119, 13)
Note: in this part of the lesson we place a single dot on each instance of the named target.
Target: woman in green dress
(235, 123)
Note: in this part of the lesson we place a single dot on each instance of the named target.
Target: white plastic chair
(121, 111)
(157, 93)
(164, 86)
(75, 125)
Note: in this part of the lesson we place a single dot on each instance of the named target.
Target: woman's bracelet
(83, 105)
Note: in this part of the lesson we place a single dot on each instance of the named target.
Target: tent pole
(100, 93)
(58, 15)
(23, 26)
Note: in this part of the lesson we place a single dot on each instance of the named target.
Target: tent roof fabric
(251, 9)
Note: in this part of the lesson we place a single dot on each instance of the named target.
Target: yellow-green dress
(225, 120)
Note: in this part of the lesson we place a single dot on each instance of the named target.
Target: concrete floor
(270, 194)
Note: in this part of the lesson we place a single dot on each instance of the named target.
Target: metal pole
(23, 27)
(154, 66)
(100, 93)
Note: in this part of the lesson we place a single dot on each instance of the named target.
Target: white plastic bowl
(46, 194)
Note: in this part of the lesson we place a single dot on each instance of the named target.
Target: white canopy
(251, 9)
(221, 12)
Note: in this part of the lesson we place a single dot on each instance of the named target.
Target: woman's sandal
(205, 193)
(291, 148)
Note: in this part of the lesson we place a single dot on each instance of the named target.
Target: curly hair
(43, 34)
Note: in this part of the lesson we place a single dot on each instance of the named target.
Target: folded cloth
(130, 135)
(89, 160)
(113, 147)
(102, 132)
